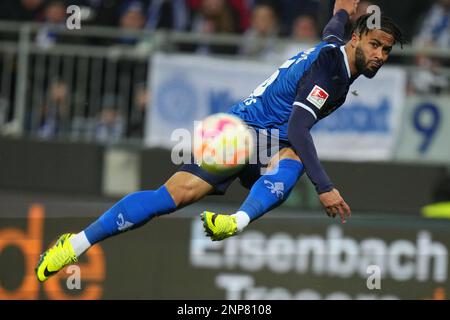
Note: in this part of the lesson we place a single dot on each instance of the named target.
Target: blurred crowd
(300, 19)
(230, 16)
(424, 21)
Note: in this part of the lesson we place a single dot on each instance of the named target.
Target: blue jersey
(317, 80)
(302, 91)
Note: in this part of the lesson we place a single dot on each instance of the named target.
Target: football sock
(131, 212)
(242, 220)
(272, 189)
(79, 243)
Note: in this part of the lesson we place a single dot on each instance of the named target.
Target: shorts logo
(318, 96)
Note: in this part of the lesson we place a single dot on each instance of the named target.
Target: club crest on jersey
(318, 96)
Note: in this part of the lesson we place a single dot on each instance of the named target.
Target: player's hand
(348, 5)
(334, 204)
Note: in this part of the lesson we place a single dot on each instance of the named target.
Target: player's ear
(354, 40)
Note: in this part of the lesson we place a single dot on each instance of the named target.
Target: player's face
(372, 51)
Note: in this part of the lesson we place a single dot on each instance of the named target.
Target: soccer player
(304, 90)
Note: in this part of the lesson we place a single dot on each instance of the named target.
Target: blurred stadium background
(86, 116)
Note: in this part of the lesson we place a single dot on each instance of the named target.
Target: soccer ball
(222, 143)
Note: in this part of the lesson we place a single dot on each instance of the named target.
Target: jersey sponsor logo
(318, 96)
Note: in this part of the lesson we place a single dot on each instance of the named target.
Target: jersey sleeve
(334, 31)
(315, 88)
(299, 126)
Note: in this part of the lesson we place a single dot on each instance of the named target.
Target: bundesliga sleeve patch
(318, 96)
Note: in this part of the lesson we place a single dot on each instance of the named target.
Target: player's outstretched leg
(268, 192)
(131, 212)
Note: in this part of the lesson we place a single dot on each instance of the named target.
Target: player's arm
(335, 29)
(314, 89)
(300, 124)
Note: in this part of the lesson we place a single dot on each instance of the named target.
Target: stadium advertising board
(425, 130)
(302, 259)
(366, 127)
(21, 242)
(188, 88)
(278, 257)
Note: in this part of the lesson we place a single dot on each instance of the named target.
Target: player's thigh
(186, 188)
(285, 153)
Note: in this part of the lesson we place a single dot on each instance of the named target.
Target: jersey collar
(346, 61)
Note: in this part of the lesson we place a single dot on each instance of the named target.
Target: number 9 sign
(426, 119)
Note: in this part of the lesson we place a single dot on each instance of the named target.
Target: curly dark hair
(387, 25)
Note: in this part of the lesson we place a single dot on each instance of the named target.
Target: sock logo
(276, 188)
(123, 225)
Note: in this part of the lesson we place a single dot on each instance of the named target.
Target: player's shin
(269, 191)
(131, 212)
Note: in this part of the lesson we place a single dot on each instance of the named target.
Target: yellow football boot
(56, 258)
(219, 226)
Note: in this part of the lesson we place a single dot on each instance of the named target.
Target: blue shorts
(247, 175)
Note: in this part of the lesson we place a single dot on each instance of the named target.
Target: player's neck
(351, 60)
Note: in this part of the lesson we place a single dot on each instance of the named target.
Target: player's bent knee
(183, 194)
(289, 153)
(186, 189)
(285, 153)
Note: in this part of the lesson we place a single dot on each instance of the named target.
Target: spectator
(242, 9)
(109, 127)
(53, 117)
(304, 33)
(434, 32)
(21, 10)
(305, 29)
(136, 124)
(132, 18)
(214, 17)
(171, 15)
(435, 29)
(219, 13)
(289, 10)
(428, 78)
(259, 40)
(54, 14)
